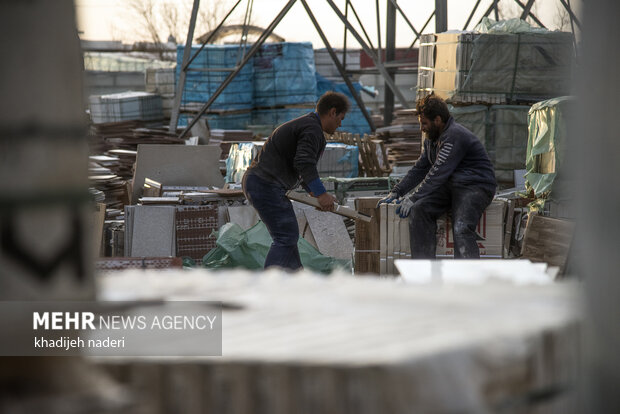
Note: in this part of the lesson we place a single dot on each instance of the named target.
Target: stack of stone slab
(125, 106)
(161, 81)
(495, 68)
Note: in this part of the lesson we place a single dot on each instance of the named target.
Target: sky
(112, 20)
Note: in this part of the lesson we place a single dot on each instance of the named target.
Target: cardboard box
(490, 230)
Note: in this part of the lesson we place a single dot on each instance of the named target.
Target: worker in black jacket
(287, 159)
(453, 173)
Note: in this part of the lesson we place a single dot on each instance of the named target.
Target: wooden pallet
(369, 148)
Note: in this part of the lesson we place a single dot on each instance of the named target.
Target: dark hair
(431, 106)
(331, 99)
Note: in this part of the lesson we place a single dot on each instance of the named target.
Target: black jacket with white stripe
(456, 157)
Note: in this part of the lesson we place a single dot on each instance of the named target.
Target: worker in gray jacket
(454, 174)
(289, 158)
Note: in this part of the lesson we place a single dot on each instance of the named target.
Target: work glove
(404, 208)
(387, 200)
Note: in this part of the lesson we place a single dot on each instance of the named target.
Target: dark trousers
(276, 211)
(467, 204)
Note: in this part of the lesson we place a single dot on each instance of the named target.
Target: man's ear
(333, 112)
(438, 121)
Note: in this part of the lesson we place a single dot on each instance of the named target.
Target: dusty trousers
(467, 203)
(276, 211)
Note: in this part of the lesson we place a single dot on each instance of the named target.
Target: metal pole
(441, 16)
(231, 76)
(361, 25)
(486, 13)
(340, 68)
(422, 30)
(378, 30)
(471, 15)
(404, 17)
(571, 14)
(211, 35)
(526, 9)
(496, 5)
(174, 116)
(344, 46)
(572, 28)
(390, 55)
(370, 53)
(538, 22)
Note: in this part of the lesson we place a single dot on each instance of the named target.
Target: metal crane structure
(383, 59)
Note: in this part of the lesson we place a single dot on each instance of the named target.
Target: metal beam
(405, 17)
(247, 57)
(378, 30)
(441, 16)
(344, 37)
(390, 55)
(340, 68)
(176, 109)
(571, 14)
(361, 26)
(526, 9)
(370, 53)
(471, 15)
(174, 116)
(486, 13)
(422, 30)
(496, 7)
(538, 22)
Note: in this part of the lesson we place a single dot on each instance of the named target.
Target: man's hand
(326, 201)
(387, 200)
(404, 208)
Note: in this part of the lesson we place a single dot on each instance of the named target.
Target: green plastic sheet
(248, 249)
(545, 144)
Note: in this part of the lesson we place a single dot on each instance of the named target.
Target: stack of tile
(171, 230)
(114, 188)
(405, 117)
(194, 226)
(226, 137)
(403, 142)
(338, 160)
(284, 74)
(495, 68)
(207, 72)
(386, 238)
(161, 81)
(126, 160)
(125, 106)
(120, 140)
(326, 67)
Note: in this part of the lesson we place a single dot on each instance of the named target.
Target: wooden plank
(508, 228)
(548, 240)
(98, 221)
(367, 243)
(338, 209)
(363, 156)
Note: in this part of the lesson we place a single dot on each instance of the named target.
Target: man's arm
(415, 175)
(304, 162)
(448, 158)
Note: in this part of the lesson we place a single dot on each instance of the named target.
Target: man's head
(332, 107)
(433, 114)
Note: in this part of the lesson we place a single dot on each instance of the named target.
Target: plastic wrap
(284, 74)
(200, 85)
(248, 249)
(354, 121)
